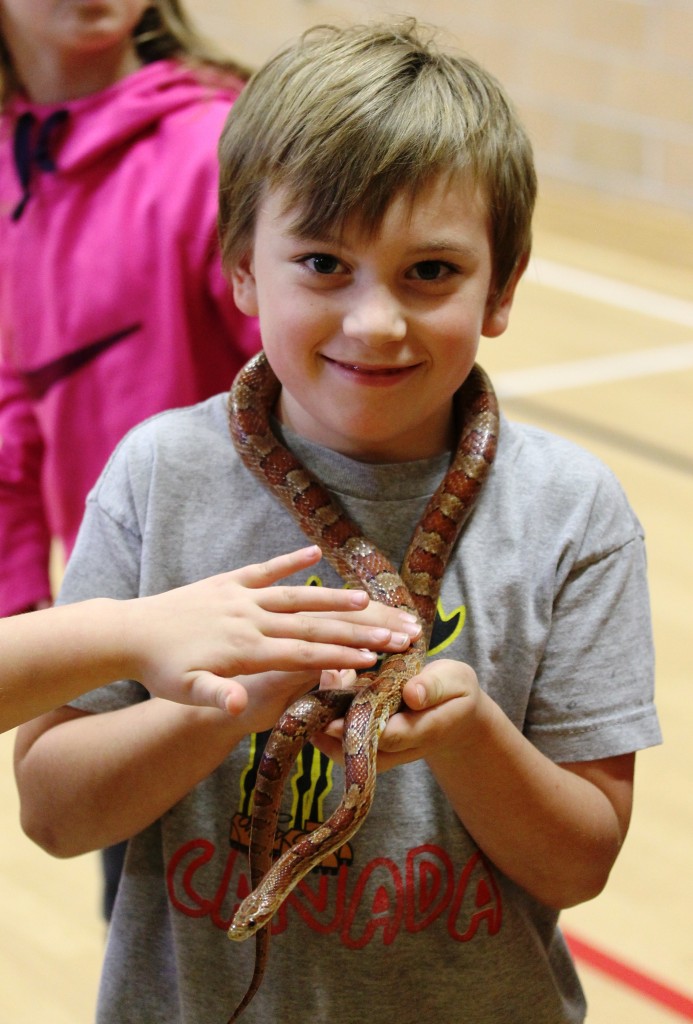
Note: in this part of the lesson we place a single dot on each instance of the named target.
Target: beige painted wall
(605, 86)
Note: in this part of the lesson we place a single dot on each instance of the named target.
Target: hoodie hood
(68, 137)
(140, 100)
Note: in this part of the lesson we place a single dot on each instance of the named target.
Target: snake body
(368, 707)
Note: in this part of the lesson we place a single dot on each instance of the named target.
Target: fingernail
(380, 635)
(367, 657)
(421, 693)
(400, 639)
(412, 628)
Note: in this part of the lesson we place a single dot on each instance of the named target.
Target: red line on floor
(647, 986)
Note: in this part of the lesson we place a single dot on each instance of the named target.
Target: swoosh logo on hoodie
(42, 379)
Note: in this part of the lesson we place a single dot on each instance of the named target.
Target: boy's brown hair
(346, 119)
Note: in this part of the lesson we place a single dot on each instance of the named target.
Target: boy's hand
(190, 642)
(442, 703)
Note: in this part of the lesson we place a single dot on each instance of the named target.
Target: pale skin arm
(85, 781)
(555, 830)
(186, 644)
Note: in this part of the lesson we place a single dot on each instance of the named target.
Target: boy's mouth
(372, 374)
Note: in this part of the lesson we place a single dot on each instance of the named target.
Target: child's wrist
(128, 656)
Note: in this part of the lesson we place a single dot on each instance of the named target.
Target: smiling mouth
(372, 371)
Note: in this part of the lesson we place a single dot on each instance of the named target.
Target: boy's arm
(87, 781)
(553, 829)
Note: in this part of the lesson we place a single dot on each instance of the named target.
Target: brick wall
(604, 86)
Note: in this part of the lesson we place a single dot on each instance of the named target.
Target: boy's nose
(375, 318)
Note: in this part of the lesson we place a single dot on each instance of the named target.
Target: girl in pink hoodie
(112, 302)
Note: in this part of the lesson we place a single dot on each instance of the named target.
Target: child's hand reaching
(188, 643)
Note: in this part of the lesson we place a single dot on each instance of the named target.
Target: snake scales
(368, 708)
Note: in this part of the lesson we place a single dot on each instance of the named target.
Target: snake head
(248, 919)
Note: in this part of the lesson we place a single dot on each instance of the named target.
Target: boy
(376, 201)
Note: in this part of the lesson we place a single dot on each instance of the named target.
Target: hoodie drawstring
(27, 155)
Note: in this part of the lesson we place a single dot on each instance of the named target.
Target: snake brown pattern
(359, 563)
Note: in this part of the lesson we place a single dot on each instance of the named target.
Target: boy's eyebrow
(445, 245)
(295, 234)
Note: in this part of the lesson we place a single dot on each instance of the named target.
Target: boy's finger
(439, 682)
(329, 745)
(337, 679)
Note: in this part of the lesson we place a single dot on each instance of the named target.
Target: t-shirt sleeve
(593, 694)
(106, 563)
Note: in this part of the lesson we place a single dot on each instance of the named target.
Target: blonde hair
(164, 31)
(346, 119)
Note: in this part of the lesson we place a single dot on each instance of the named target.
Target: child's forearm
(49, 657)
(186, 644)
(88, 781)
(555, 831)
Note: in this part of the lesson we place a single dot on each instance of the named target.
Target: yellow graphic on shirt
(312, 777)
(446, 628)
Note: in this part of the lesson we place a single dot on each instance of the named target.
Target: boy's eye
(432, 270)
(323, 263)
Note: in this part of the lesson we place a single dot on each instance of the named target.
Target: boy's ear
(243, 284)
(498, 309)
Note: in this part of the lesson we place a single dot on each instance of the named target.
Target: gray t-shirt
(545, 596)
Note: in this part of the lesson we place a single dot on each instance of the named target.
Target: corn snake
(367, 708)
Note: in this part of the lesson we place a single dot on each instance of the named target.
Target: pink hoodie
(112, 302)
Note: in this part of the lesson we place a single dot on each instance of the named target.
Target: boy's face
(371, 337)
